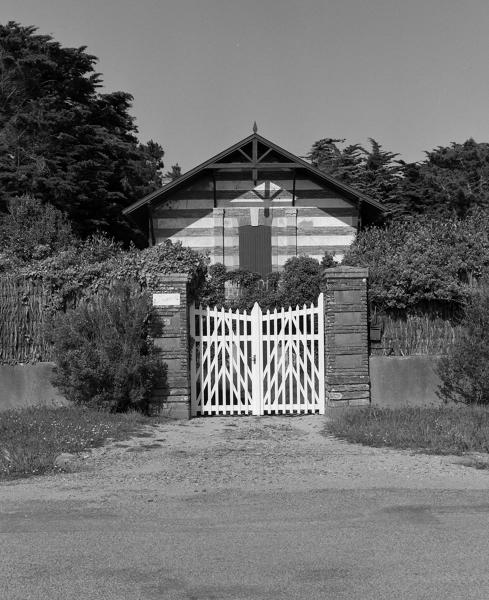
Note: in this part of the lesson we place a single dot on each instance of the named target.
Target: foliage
(410, 334)
(300, 282)
(264, 292)
(32, 438)
(146, 266)
(442, 430)
(328, 261)
(373, 171)
(212, 291)
(451, 181)
(423, 261)
(250, 287)
(96, 262)
(464, 371)
(32, 230)
(174, 172)
(63, 141)
(103, 354)
(34, 291)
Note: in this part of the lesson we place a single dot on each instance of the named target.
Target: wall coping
(184, 277)
(345, 272)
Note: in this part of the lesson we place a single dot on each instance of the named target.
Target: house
(253, 206)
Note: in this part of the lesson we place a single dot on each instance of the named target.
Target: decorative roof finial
(255, 127)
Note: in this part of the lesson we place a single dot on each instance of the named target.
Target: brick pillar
(346, 336)
(218, 249)
(171, 337)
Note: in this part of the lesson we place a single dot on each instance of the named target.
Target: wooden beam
(253, 165)
(244, 154)
(254, 155)
(151, 225)
(293, 188)
(264, 154)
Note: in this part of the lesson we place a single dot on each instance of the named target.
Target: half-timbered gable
(254, 206)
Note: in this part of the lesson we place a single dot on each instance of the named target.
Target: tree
(373, 171)
(451, 181)
(343, 164)
(64, 142)
(174, 173)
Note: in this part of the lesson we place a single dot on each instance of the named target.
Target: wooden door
(255, 249)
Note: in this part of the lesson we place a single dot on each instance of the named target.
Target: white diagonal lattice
(257, 363)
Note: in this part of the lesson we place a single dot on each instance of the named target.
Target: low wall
(404, 381)
(28, 385)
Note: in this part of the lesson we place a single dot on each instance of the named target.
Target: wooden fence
(410, 335)
(23, 314)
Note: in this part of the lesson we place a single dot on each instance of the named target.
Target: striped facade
(305, 216)
(296, 208)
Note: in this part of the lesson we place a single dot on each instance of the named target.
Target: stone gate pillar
(171, 337)
(346, 336)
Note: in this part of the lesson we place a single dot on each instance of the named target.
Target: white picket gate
(257, 363)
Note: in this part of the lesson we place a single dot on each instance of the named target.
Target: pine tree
(374, 171)
(451, 181)
(64, 142)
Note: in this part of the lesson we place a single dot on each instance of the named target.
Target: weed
(31, 439)
(443, 430)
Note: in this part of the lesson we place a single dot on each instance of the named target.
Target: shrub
(416, 262)
(464, 371)
(146, 266)
(103, 354)
(298, 284)
(252, 288)
(33, 230)
(97, 262)
(212, 291)
(328, 261)
(300, 281)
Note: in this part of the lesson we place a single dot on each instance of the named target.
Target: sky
(413, 74)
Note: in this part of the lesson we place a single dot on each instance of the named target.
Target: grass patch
(443, 430)
(31, 439)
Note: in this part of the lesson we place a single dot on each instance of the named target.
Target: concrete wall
(404, 381)
(22, 386)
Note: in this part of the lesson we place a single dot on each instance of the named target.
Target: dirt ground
(247, 509)
(250, 453)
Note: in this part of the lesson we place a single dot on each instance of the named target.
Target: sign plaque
(166, 299)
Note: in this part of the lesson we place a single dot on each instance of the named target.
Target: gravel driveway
(250, 453)
(247, 509)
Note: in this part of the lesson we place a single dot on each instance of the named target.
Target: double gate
(257, 363)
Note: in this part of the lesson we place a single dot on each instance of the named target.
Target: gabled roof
(252, 161)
